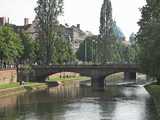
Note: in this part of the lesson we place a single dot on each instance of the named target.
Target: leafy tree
(63, 52)
(107, 38)
(148, 39)
(120, 52)
(47, 24)
(132, 38)
(87, 51)
(126, 52)
(10, 45)
(29, 46)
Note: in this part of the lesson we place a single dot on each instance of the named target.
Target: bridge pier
(98, 82)
(129, 75)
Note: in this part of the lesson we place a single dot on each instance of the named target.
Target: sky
(84, 12)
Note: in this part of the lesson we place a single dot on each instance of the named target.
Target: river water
(72, 102)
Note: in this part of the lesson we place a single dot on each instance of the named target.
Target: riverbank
(15, 88)
(67, 79)
(154, 91)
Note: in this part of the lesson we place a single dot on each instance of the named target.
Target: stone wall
(8, 76)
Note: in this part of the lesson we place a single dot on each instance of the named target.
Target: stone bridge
(96, 72)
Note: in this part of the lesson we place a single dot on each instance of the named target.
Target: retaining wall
(8, 76)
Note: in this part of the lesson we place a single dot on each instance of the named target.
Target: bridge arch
(96, 72)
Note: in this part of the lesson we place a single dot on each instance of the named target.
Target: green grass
(30, 86)
(9, 85)
(33, 84)
(14, 85)
(154, 91)
(57, 78)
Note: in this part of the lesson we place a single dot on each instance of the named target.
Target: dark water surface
(80, 103)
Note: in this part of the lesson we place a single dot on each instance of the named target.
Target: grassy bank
(57, 78)
(154, 91)
(15, 88)
(10, 85)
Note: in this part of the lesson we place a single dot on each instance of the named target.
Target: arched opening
(66, 76)
(141, 76)
(119, 77)
(114, 78)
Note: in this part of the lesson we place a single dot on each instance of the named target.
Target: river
(73, 102)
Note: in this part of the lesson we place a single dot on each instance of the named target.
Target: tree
(118, 32)
(10, 45)
(87, 51)
(106, 38)
(63, 52)
(148, 39)
(29, 46)
(47, 24)
(132, 38)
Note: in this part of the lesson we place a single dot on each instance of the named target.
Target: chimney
(2, 20)
(26, 21)
(78, 26)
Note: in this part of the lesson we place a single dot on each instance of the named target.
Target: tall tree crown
(106, 20)
(47, 26)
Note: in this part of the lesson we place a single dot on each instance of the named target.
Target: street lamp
(85, 51)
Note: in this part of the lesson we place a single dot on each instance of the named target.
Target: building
(28, 28)
(4, 21)
(74, 33)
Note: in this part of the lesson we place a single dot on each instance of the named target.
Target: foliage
(57, 78)
(10, 85)
(148, 39)
(10, 45)
(128, 52)
(47, 24)
(63, 52)
(107, 37)
(124, 53)
(87, 51)
(29, 46)
(111, 48)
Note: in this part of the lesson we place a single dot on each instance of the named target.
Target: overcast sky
(84, 12)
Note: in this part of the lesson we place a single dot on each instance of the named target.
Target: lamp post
(85, 51)
(92, 50)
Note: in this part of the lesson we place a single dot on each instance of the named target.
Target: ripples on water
(80, 103)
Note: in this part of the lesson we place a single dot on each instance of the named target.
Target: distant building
(74, 33)
(4, 20)
(26, 28)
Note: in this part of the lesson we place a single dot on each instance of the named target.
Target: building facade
(72, 33)
(75, 35)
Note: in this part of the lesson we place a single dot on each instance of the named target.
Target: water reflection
(72, 102)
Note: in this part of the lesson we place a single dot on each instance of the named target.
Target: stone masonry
(8, 76)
